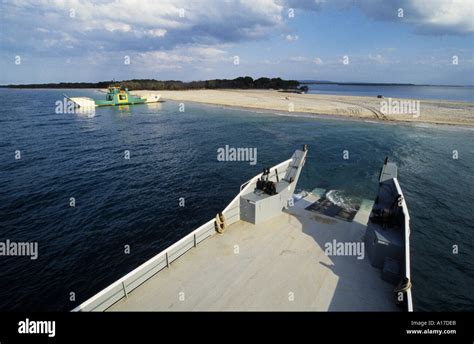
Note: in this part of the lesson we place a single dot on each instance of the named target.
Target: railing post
(195, 241)
(124, 290)
(167, 261)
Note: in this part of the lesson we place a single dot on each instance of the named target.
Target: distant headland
(245, 82)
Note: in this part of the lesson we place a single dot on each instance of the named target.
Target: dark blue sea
(173, 154)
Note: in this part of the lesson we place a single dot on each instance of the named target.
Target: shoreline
(330, 117)
(366, 108)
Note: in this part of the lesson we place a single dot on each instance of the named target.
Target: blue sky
(72, 40)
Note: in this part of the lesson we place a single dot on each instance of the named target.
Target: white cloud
(428, 17)
(116, 26)
(378, 58)
(206, 52)
(457, 16)
(145, 25)
(159, 57)
(120, 24)
(210, 34)
(199, 56)
(298, 59)
(291, 38)
(156, 32)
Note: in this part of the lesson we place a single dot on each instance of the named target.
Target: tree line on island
(151, 84)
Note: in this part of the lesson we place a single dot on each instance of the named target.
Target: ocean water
(411, 92)
(173, 154)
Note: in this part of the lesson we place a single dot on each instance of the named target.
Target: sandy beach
(371, 108)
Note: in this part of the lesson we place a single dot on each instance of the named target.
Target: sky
(399, 41)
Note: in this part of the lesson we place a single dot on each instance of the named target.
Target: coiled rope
(220, 224)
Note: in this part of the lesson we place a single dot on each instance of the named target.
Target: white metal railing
(122, 287)
(407, 242)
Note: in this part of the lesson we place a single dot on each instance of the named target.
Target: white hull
(83, 102)
(151, 98)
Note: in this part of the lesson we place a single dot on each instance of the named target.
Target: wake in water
(343, 200)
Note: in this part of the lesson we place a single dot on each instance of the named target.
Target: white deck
(280, 265)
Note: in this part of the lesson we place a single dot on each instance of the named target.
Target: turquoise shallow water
(174, 154)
